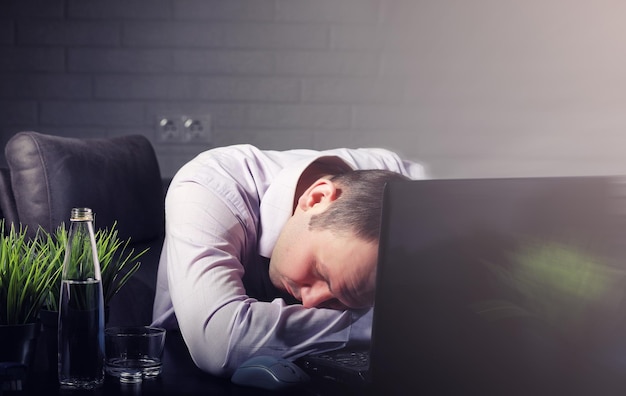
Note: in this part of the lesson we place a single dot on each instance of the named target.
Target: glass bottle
(81, 308)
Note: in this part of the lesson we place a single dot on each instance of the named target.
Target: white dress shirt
(224, 211)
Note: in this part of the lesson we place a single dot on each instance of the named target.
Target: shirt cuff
(361, 329)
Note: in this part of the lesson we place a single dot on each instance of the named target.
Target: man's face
(323, 268)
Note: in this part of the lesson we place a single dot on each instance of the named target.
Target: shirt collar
(277, 202)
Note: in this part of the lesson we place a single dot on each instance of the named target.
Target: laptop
(498, 286)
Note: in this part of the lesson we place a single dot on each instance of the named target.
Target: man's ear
(318, 195)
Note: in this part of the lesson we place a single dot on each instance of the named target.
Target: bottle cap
(81, 214)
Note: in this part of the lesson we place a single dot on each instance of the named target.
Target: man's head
(326, 254)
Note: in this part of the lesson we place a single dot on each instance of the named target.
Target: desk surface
(179, 376)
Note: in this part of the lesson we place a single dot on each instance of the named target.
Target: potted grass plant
(28, 270)
(118, 262)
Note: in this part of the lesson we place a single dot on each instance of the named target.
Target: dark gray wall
(470, 88)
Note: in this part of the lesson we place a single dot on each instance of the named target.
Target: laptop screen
(507, 286)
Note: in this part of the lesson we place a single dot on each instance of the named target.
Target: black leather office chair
(8, 211)
(118, 177)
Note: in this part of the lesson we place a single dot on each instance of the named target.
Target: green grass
(30, 269)
(27, 274)
(118, 262)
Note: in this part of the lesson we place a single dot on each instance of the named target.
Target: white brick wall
(476, 88)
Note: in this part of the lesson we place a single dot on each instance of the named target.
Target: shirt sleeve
(222, 326)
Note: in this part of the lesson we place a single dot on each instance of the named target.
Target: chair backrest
(8, 209)
(118, 177)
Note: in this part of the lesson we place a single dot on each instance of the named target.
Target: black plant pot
(50, 325)
(18, 343)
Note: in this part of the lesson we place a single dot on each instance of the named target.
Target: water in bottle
(81, 311)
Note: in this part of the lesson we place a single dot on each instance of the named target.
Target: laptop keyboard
(354, 359)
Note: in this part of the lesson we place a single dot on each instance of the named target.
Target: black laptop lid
(502, 286)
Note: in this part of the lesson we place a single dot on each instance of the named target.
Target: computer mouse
(269, 372)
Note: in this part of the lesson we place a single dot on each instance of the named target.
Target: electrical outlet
(168, 128)
(188, 129)
(197, 128)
